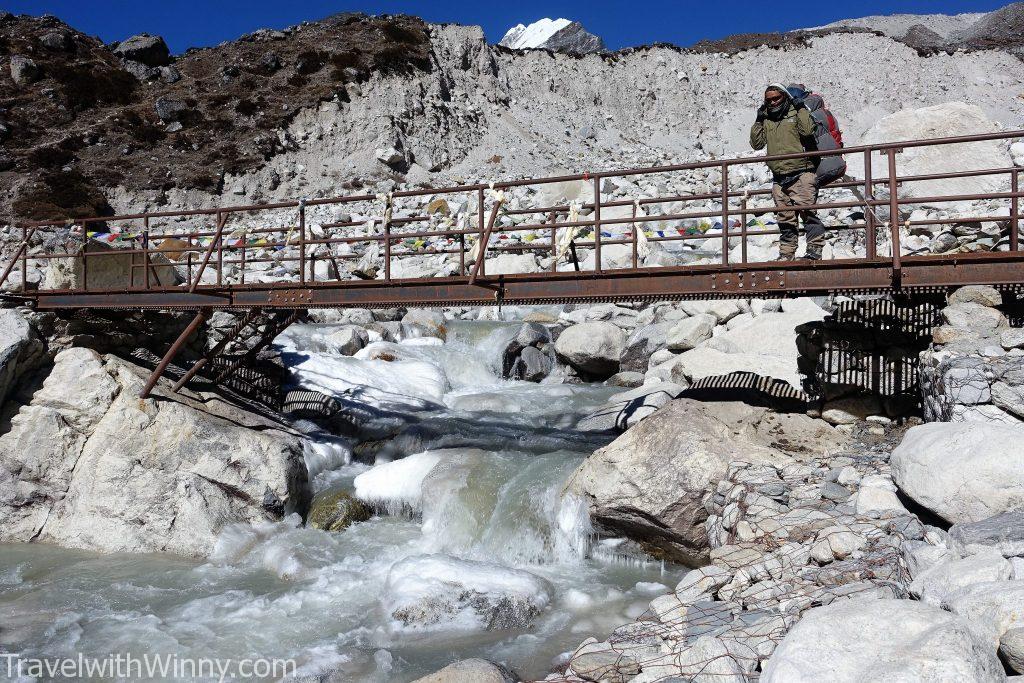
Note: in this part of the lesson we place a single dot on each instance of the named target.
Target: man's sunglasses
(774, 98)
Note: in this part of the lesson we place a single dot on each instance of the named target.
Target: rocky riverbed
(543, 489)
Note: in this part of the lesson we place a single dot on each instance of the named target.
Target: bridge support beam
(219, 348)
(201, 317)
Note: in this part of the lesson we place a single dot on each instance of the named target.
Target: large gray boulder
(641, 344)
(962, 471)
(762, 348)
(20, 349)
(24, 70)
(649, 483)
(864, 639)
(1003, 532)
(701, 363)
(425, 322)
(87, 464)
(592, 347)
(769, 334)
(145, 49)
(691, 332)
(935, 583)
(113, 270)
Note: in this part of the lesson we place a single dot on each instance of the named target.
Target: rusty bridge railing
(220, 257)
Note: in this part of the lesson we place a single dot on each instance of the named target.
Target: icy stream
(473, 551)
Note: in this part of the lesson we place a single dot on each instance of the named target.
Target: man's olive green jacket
(784, 137)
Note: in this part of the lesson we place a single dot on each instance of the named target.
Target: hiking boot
(785, 257)
(811, 256)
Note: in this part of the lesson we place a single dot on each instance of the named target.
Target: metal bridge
(201, 259)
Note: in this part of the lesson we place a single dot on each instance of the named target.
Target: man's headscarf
(776, 112)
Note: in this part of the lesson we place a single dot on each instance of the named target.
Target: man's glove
(762, 113)
(799, 104)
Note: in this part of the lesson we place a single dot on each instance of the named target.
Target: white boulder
(690, 332)
(935, 583)
(962, 471)
(865, 639)
(997, 608)
(89, 465)
(593, 347)
(20, 349)
(941, 120)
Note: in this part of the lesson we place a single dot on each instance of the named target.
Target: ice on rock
(442, 592)
(386, 379)
(398, 486)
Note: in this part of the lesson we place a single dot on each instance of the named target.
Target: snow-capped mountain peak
(521, 37)
(552, 34)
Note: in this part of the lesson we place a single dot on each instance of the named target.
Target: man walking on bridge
(782, 126)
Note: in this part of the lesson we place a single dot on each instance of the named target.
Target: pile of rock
(530, 355)
(785, 532)
(975, 371)
(814, 560)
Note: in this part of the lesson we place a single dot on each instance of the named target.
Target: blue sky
(198, 23)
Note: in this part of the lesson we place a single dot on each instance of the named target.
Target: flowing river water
(468, 497)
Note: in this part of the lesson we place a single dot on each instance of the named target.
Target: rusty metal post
(597, 226)
(725, 214)
(387, 249)
(145, 253)
(85, 258)
(636, 247)
(481, 248)
(241, 259)
(312, 267)
(462, 251)
(302, 242)
(894, 219)
(25, 236)
(553, 219)
(220, 258)
(222, 218)
(1014, 210)
(743, 229)
(870, 235)
(478, 268)
(201, 317)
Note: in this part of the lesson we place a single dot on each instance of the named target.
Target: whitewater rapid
(473, 550)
